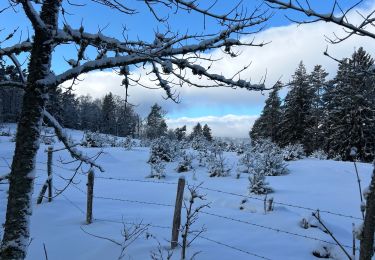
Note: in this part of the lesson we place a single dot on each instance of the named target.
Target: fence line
(237, 195)
(199, 236)
(272, 228)
(224, 217)
(167, 227)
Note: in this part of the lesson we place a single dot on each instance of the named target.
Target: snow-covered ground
(231, 233)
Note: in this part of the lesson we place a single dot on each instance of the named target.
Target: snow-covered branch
(340, 19)
(64, 138)
(33, 16)
(16, 49)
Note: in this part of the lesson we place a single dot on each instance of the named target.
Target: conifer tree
(180, 133)
(156, 125)
(351, 111)
(109, 115)
(314, 133)
(267, 125)
(206, 132)
(296, 108)
(197, 131)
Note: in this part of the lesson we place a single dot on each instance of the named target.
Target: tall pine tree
(296, 109)
(314, 133)
(268, 124)
(351, 111)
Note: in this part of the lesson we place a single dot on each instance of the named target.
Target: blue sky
(289, 44)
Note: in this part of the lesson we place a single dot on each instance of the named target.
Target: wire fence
(160, 226)
(245, 222)
(237, 195)
(274, 229)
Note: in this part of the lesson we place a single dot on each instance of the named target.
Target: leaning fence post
(48, 183)
(90, 195)
(49, 171)
(177, 211)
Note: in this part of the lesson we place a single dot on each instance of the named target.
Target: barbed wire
(223, 217)
(199, 236)
(272, 229)
(237, 195)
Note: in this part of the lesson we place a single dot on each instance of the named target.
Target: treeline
(108, 115)
(335, 116)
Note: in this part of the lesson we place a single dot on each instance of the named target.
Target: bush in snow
(246, 162)
(257, 180)
(128, 143)
(216, 163)
(185, 164)
(319, 154)
(93, 139)
(199, 142)
(293, 152)
(157, 168)
(268, 158)
(160, 150)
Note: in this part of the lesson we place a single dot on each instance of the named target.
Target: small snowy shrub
(128, 143)
(185, 164)
(157, 168)
(217, 166)
(246, 162)
(93, 139)
(199, 143)
(268, 158)
(160, 150)
(319, 154)
(293, 152)
(257, 180)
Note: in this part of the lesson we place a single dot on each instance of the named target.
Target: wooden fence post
(48, 183)
(90, 195)
(177, 212)
(49, 171)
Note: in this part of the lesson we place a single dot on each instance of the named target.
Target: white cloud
(289, 45)
(223, 126)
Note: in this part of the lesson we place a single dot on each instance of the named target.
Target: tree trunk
(367, 240)
(19, 208)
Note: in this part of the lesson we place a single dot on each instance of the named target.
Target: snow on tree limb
(64, 138)
(339, 19)
(33, 16)
(16, 49)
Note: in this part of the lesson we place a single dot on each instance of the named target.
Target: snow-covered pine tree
(108, 120)
(296, 108)
(180, 133)
(267, 125)
(161, 149)
(351, 111)
(206, 132)
(197, 131)
(269, 157)
(314, 136)
(156, 126)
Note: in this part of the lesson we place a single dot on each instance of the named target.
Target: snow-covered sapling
(258, 184)
(160, 150)
(293, 152)
(192, 213)
(267, 158)
(157, 168)
(185, 163)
